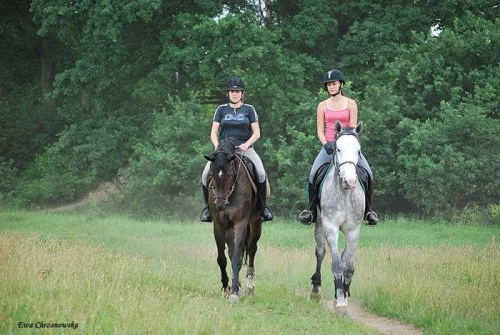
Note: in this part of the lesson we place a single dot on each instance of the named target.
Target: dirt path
(102, 193)
(384, 325)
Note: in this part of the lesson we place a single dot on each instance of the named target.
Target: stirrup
(371, 218)
(267, 215)
(205, 215)
(306, 217)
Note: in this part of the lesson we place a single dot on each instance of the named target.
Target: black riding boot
(266, 212)
(205, 214)
(370, 216)
(309, 215)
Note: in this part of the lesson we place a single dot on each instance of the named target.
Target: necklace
(234, 108)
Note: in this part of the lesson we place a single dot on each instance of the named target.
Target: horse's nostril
(222, 205)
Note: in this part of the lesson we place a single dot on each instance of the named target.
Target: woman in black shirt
(240, 121)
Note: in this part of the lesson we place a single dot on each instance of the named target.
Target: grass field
(119, 275)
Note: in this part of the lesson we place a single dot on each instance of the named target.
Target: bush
(495, 213)
(7, 178)
(85, 155)
(449, 163)
(168, 163)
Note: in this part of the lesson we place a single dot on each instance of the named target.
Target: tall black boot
(266, 212)
(205, 214)
(370, 215)
(309, 215)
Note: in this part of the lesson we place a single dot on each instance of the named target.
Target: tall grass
(118, 275)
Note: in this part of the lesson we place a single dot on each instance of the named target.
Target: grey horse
(341, 209)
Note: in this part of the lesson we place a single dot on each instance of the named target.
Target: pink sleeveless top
(343, 116)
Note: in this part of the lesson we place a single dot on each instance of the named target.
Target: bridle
(336, 159)
(225, 195)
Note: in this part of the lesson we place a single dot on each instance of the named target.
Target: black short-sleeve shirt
(236, 122)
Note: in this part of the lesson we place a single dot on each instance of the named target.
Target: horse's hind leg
(220, 240)
(255, 232)
(320, 255)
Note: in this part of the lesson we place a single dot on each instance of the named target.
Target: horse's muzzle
(221, 204)
(349, 183)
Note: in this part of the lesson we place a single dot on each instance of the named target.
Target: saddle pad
(325, 169)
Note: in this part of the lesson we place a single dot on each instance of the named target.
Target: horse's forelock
(222, 159)
(347, 131)
(224, 153)
(227, 146)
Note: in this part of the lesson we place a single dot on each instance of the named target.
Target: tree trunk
(86, 104)
(268, 5)
(48, 67)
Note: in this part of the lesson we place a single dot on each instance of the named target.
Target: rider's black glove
(329, 147)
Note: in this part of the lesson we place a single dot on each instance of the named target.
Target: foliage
(7, 178)
(27, 125)
(168, 163)
(453, 156)
(495, 213)
(127, 72)
(84, 155)
(294, 157)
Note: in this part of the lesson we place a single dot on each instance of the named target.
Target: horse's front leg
(337, 268)
(255, 232)
(240, 231)
(320, 252)
(352, 238)
(220, 240)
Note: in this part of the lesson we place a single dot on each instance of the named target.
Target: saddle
(250, 170)
(325, 169)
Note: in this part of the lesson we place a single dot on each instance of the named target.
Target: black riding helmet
(235, 84)
(333, 75)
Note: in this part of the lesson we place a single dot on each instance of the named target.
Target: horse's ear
(359, 128)
(210, 157)
(338, 127)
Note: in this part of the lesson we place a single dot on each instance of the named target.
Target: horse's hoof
(342, 310)
(225, 293)
(250, 291)
(233, 298)
(341, 304)
(316, 296)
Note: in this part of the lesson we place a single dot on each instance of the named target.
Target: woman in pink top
(340, 108)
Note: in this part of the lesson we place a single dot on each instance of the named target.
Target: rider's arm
(353, 113)
(255, 136)
(214, 134)
(320, 123)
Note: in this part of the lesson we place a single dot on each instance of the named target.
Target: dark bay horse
(236, 212)
(342, 209)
